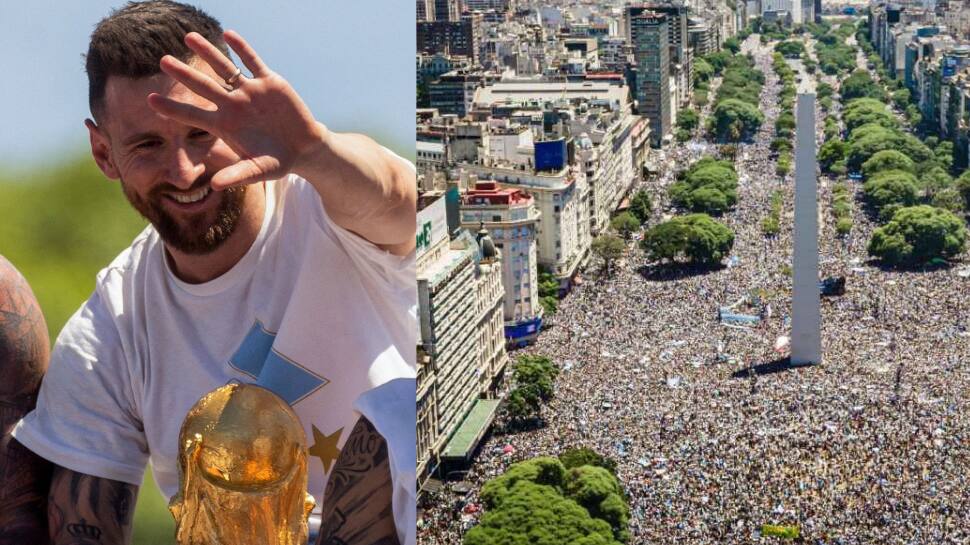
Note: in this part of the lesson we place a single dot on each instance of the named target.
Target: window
(496, 218)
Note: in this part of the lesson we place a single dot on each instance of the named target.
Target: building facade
(649, 38)
(511, 218)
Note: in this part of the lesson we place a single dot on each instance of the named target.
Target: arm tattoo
(24, 351)
(357, 503)
(87, 510)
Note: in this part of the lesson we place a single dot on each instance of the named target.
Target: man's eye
(147, 144)
(199, 134)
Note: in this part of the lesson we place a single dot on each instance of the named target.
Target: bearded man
(280, 253)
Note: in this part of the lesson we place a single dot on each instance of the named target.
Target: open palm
(261, 118)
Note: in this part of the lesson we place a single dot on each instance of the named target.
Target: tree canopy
(695, 237)
(545, 502)
(641, 206)
(792, 48)
(708, 186)
(916, 235)
(889, 159)
(859, 85)
(891, 189)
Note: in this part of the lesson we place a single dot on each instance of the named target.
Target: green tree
(891, 189)
(867, 140)
(703, 71)
(625, 224)
(824, 90)
(887, 160)
(584, 456)
(785, 125)
(860, 84)
(539, 502)
(901, 98)
(687, 119)
(831, 152)
(523, 404)
(730, 113)
(548, 291)
(963, 187)
(792, 49)
(935, 180)
(609, 248)
(864, 111)
(733, 45)
(916, 235)
(599, 491)
(948, 199)
(843, 226)
(641, 206)
(536, 373)
(944, 154)
(696, 237)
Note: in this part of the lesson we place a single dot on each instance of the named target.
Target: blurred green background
(60, 225)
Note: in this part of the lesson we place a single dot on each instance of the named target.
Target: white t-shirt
(315, 313)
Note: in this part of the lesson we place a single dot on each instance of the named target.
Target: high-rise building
(461, 37)
(452, 93)
(649, 38)
(447, 10)
(461, 349)
(681, 56)
(511, 218)
(425, 10)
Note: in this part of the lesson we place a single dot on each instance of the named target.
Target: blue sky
(351, 61)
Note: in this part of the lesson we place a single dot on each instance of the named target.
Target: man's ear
(101, 150)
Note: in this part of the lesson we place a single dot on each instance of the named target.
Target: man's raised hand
(261, 118)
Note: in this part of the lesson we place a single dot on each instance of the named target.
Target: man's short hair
(132, 40)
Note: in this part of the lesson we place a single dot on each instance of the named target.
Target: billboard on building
(551, 154)
(949, 67)
(432, 226)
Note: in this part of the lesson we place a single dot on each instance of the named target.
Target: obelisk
(806, 338)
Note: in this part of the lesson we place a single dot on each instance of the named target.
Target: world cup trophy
(242, 471)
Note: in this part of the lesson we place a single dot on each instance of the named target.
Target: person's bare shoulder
(24, 344)
(24, 353)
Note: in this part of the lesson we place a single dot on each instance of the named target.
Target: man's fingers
(244, 172)
(246, 53)
(222, 65)
(183, 113)
(198, 82)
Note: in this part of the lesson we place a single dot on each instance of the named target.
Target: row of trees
(785, 124)
(736, 115)
(907, 181)
(576, 498)
(835, 56)
(771, 224)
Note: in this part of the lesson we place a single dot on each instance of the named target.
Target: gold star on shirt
(325, 447)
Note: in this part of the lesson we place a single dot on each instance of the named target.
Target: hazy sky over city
(352, 62)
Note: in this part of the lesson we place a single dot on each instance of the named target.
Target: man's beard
(196, 236)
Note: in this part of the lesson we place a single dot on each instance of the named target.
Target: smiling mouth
(189, 198)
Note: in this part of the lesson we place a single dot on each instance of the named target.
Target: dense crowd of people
(714, 436)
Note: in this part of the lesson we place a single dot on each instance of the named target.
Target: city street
(712, 435)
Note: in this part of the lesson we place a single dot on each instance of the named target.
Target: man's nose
(183, 171)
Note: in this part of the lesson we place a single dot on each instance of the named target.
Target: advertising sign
(432, 226)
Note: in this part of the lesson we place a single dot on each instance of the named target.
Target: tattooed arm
(357, 503)
(24, 354)
(88, 510)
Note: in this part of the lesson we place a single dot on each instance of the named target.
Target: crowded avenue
(713, 435)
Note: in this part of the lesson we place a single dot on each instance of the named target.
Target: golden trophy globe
(242, 471)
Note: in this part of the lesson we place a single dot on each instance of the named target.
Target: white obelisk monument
(806, 337)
